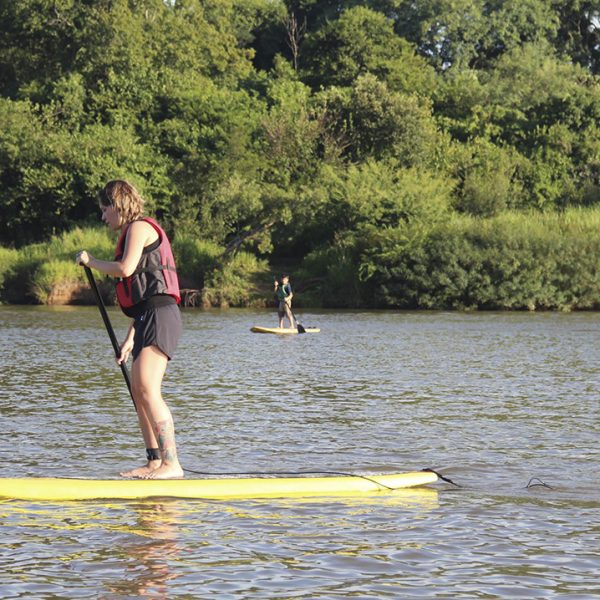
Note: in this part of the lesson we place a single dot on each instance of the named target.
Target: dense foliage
(403, 154)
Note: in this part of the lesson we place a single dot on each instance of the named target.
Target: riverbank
(514, 261)
(46, 273)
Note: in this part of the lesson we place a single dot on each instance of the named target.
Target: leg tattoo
(165, 434)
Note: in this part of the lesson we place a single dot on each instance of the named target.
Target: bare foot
(165, 471)
(142, 472)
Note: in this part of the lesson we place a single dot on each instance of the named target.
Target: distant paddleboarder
(148, 292)
(284, 295)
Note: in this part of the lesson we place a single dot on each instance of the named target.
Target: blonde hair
(125, 199)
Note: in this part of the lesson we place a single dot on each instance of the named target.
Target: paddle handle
(109, 328)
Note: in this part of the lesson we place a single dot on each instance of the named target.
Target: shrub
(35, 272)
(8, 260)
(513, 261)
(54, 281)
(237, 282)
(195, 260)
(335, 269)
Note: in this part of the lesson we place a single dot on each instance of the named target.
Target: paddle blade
(299, 325)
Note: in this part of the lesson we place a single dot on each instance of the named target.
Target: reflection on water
(491, 400)
(155, 544)
(148, 569)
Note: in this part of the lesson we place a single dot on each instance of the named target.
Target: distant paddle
(111, 332)
(299, 325)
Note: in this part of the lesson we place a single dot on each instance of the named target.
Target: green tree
(363, 41)
(466, 34)
(51, 175)
(488, 179)
(375, 121)
(105, 78)
(578, 33)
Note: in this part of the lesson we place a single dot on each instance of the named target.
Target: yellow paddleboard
(283, 330)
(50, 488)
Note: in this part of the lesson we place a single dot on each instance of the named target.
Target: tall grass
(34, 272)
(8, 259)
(46, 273)
(512, 261)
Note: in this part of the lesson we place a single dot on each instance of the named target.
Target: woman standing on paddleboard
(147, 291)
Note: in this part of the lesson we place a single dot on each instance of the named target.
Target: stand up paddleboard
(48, 488)
(283, 330)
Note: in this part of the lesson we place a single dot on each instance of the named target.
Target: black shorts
(160, 327)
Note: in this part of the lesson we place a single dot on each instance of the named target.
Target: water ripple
(493, 400)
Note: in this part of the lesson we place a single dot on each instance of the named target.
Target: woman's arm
(127, 345)
(139, 234)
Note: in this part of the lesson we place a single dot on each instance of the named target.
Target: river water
(495, 401)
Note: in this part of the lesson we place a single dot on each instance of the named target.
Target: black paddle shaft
(109, 328)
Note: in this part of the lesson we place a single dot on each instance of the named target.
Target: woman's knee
(143, 391)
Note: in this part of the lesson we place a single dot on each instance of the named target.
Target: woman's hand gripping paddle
(109, 329)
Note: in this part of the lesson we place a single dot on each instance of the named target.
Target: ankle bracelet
(152, 453)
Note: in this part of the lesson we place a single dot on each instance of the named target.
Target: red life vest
(155, 273)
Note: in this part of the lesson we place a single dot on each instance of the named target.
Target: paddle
(299, 325)
(109, 329)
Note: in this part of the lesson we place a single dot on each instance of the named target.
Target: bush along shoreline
(513, 261)
(46, 273)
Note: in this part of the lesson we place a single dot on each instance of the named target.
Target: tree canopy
(289, 128)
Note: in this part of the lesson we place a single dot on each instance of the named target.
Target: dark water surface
(492, 400)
